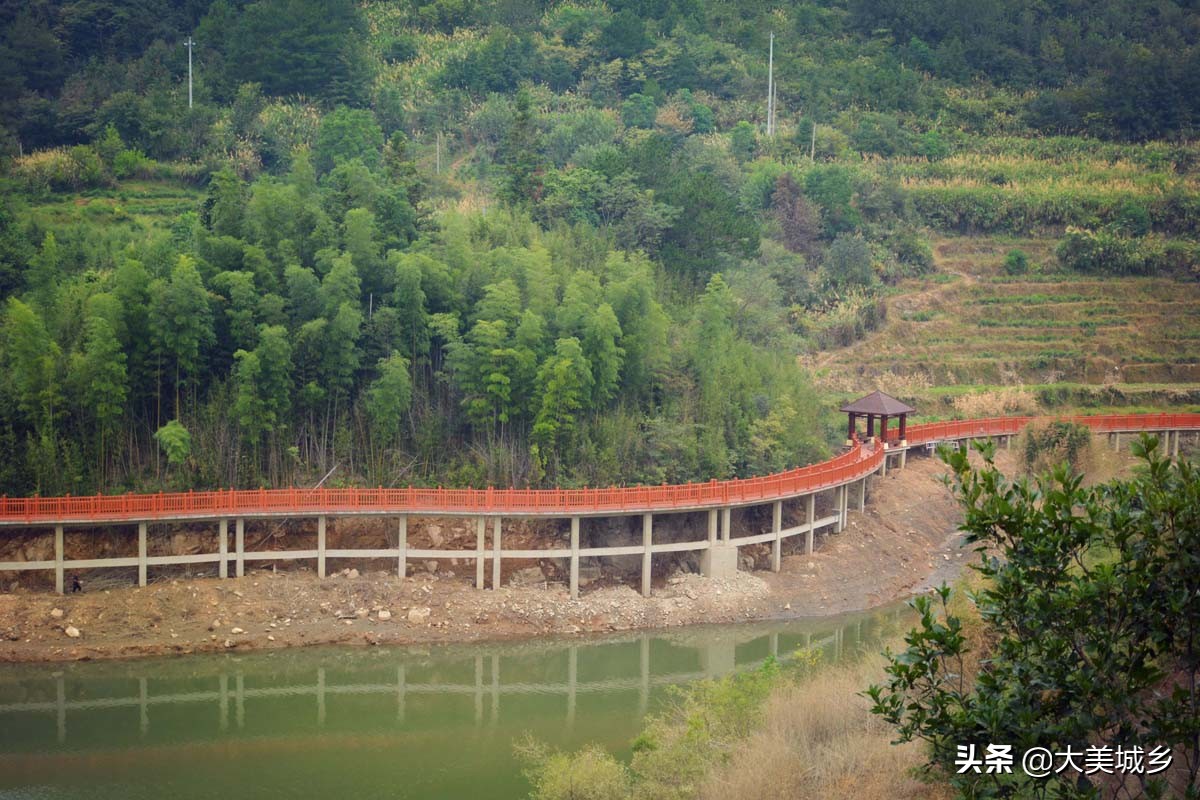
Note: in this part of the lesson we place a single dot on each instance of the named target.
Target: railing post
(574, 558)
(223, 548)
(141, 554)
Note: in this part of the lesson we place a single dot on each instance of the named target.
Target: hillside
(473, 243)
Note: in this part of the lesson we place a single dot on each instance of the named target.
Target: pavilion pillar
(903, 430)
(883, 425)
(870, 426)
(850, 430)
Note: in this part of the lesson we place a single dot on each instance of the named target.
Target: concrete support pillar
(777, 527)
(903, 457)
(320, 547)
(712, 527)
(223, 548)
(239, 547)
(1117, 442)
(402, 547)
(1175, 446)
(480, 533)
(726, 517)
(647, 540)
(1008, 442)
(58, 558)
(720, 559)
(812, 516)
(840, 525)
(574, 558)
(883, 465)
(141, 554)
(644, 683)
(862, 495)
(496, 525)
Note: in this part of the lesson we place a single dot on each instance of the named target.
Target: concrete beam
(647, 544)
(402, 547)
(141, 554)
(574, 558)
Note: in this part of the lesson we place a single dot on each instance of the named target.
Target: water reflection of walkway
(662, 659)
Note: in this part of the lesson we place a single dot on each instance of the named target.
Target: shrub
(1099, 252)
(1092, 605)
(1016, 262)
(131, 163)
(1056, 443)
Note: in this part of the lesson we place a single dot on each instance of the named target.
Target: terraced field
(971, 327)
(134, 204)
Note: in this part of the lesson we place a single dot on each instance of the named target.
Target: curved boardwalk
(717, 498)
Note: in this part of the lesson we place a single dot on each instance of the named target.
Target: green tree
(743, 141)
(565, 382)
(1091, 606)
(102, 381)
(389, 397)
(225, 206)
(520, 154)
(182, 323)
(347, 134)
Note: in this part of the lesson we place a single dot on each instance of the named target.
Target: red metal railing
(847, 467)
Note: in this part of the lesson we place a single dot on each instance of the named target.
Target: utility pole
(189, 44)
(771, 87)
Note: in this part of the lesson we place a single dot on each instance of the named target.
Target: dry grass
(818, 739)
(996, 403)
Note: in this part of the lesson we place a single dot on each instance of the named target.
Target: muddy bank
(905, 540)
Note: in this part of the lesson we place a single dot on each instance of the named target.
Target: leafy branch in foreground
(1091, 605)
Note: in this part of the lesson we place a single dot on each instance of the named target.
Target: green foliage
(1058, 442)
(346, 134)
(590, 774)
(1016, 262)
(1090, 607)
(176, 442)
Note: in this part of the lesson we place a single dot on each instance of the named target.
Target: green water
(434, 722)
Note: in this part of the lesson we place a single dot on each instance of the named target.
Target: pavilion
(881, 406)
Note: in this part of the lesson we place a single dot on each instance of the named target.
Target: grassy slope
(1086, 341)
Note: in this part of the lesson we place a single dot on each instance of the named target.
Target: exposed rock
(588, 573)
(72, 632)
(530, 576)
(385, 615)
(236, 631)
(361, 613)
(435, 535)
(56, 613)
(419, 615)
(352, 573)
(431, 566)
(229, 643)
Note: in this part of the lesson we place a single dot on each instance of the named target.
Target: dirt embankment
(905, 541)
